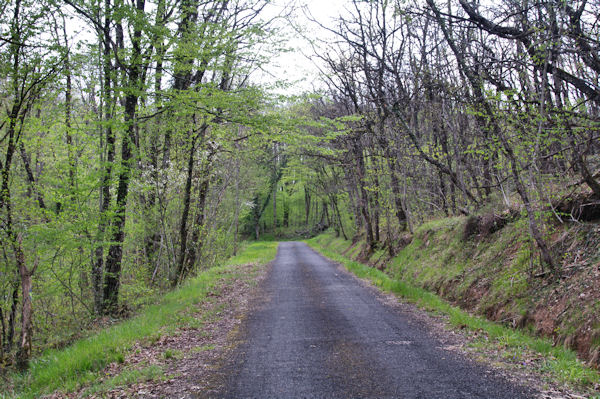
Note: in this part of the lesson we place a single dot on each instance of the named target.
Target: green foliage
(561, 364)
(80, 364)
(217, 158)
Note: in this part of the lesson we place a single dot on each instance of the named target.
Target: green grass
(173, 354)
(203, 348)
(562, 365)
(125, 378)
(260, 252)
(79, 364)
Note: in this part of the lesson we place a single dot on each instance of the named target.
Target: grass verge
(81, 364)
(560, 365)
(127, 377)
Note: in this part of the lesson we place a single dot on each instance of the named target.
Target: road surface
(318, 332)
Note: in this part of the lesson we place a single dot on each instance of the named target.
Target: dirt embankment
(489, 266)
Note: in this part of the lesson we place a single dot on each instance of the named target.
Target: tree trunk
(236, 219)
(68, 107)
(2, 334)
(352, 193)
(112, 278)
(306, 205)
(275, 179)
(24, 352)
(339, 217)
(376, 202)
(364, 199)
(286, 211)
(274, 207)
(400, 214)
(33, 192)
(152, 234)
(10, 150)
(105, 192)
(198, 233)
(12, 318)
(183, 231)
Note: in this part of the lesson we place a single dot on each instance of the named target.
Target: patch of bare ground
(524, 368)
(188, 355)
(569, 313)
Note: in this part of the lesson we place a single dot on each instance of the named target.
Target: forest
(138, 149)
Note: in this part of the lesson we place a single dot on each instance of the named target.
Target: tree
(28, 64)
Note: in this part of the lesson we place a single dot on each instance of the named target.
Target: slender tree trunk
(274, 208)
(183, 231)
(12, 318)
(364, 200)
(199, 229)
(400, 214)
(10, 150)
(236, 219)
(533, 224)
(275, 188)
(5, 203)
(354, 201)
(336, 209)
(24, 352)
(286, 212)
(306, 205)
(153, 236)
(112, 278)
(15, 109)
(2, 334)
(105, 192)
(68, 127)
(33, 191)
(376, 201)
(326, 211)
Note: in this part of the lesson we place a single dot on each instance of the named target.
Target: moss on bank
(497, 277)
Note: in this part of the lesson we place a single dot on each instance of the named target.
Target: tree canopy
(138, 148)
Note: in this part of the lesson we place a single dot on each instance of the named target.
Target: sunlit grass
(561, 364)
(78, 365)
(149, 373)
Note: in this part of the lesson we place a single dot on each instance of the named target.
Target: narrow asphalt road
(320, 333)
